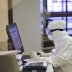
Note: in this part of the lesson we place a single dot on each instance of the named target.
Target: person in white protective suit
(63, 46)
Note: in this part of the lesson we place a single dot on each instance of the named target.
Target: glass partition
(56, 10)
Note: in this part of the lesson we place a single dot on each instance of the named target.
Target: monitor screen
(13, 33)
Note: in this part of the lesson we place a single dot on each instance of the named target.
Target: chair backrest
(8, 64)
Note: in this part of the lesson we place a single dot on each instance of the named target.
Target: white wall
(26, 13)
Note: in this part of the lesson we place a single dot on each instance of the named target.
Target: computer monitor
(13, 34)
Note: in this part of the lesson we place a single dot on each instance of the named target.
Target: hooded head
(55, 25)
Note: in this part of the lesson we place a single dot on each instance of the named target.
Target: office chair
(8, 64)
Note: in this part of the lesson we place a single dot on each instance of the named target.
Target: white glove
(38, 58)
(34, 55)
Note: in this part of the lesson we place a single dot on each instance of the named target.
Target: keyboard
(37, 67)
(36, 64)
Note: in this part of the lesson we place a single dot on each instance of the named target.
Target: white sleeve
(61, 59)
(46, 54)
(53, 52)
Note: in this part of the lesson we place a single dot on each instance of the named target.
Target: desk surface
(13, 52)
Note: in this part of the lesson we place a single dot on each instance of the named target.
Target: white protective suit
(63, 46)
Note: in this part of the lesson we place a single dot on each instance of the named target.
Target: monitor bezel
(10, 37)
